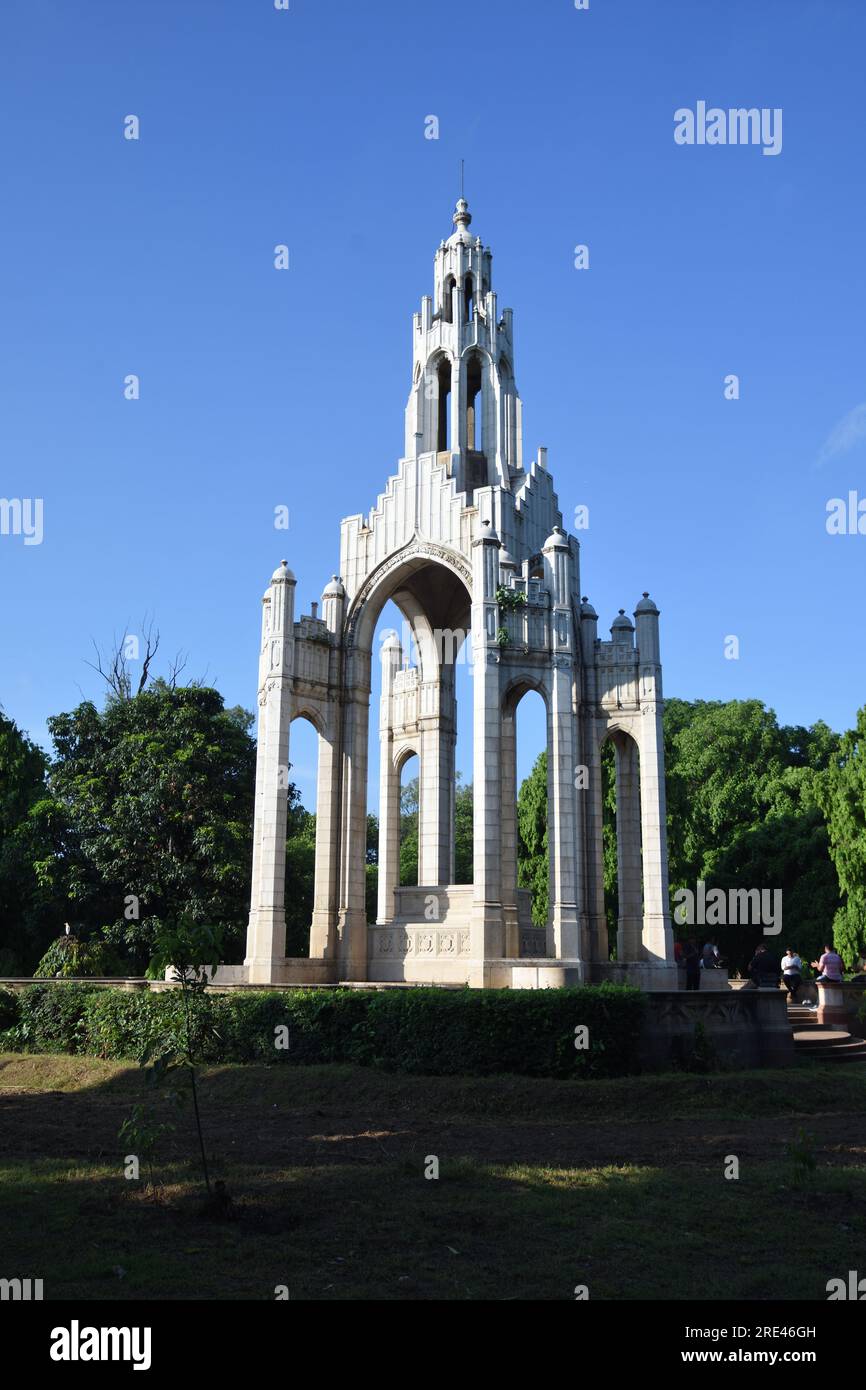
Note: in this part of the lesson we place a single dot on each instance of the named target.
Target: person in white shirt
(792, 972)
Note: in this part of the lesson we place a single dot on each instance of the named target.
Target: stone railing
(743, 1028)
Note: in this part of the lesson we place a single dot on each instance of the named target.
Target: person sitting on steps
(792, 972)
(763, 969)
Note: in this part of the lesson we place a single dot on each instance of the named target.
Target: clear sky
(262, 387)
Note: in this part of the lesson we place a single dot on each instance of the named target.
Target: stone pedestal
(832, 1008)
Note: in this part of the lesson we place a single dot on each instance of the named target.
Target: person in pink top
(830, 966)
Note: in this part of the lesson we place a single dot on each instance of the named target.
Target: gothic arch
(313, 716)
(389, 576)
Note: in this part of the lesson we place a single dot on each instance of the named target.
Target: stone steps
(822, 1041)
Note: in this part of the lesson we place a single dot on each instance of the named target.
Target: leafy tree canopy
(152, 802)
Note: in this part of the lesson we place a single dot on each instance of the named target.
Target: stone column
(323, 929)
(389, 786)
(266, 930)
(598, 948)
(508, 764)
(352, 950)
(563, 923)
(326, 892)
(658, 941)
(435, 787)
(488, 937)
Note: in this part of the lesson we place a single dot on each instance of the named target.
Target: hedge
(437, 1032)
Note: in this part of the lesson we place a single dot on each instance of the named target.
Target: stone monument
(470, 545)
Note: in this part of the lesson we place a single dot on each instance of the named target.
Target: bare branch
(176, 667)
(113, 664)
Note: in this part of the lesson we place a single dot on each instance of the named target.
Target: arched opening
(409, 800)
(474, 398)
(621, 836)
(525, 800)
(448, 298)
(443, 395)
(302, 777)
(418, 644)
(509, 412)
(469, 298)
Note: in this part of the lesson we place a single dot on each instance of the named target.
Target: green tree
(409, 833)
(153, 807)
(743, 812)
(842, 796)
(300, 875)
(532, 852)
(463, 832)
(29, 914)
(372, 869)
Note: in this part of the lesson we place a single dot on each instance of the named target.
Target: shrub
(121, 1026)
(67, 956)
(52, 1017)
(324, 1025)
(479, 1032)
(438, 1032)
(8, 1009)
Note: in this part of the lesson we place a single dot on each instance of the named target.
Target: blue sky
(261, 388)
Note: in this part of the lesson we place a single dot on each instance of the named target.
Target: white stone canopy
(470, 546)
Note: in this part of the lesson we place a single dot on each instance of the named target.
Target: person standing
(692, 959)
(792, 972)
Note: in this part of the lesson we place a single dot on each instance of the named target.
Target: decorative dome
(556, 540)
(646, 605)
(621, 623)
(586, 609)
(283, 572)
(335, 587)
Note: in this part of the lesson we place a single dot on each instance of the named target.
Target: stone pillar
(628, 850)
(435, 779)
(352, 950)
(389, 786)
(832, 1008)
(598, 948)
(323, 929)
(658, 940)
(326, 892)
(458, 431)
(266, 930)
(488, 937)
(508, 765)
(563, 924)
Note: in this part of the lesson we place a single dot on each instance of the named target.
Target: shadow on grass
(326, 1167)
(349, 1232)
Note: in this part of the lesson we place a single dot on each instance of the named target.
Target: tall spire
(464, 405)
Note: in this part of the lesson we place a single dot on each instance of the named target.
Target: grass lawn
(543, 1185)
